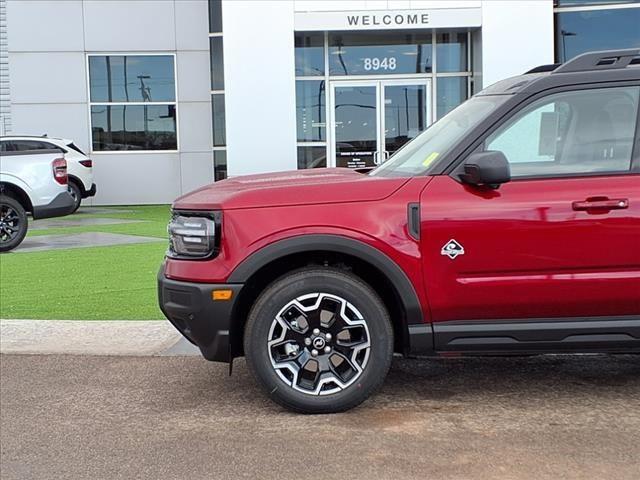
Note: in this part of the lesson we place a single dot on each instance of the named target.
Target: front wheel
(13, 223)
(319, 340)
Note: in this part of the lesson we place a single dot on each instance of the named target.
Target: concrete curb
(93, 337)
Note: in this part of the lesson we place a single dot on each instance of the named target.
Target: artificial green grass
(95, 283)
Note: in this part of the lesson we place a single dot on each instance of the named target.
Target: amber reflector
(222, 294)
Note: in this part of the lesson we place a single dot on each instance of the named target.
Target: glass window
(217, 63)
(312, 157)
(578, 132)
(419, 154)
(309, 53)
(310, 106)
(451, 52)
(215, 16)
(134, 78)
(219, 164)
(356, 126)
(405, 114)
(575, 3)
(134, 127)
(26, 145)
(218, 120)
(593, 30)
(374, 53)
(452, 91)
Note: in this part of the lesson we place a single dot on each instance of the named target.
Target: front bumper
(201, 320)
(91, 192)
(60, 206)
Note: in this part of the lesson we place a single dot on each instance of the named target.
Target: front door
(561, 239)
(372, 119)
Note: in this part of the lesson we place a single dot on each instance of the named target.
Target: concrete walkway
(93, 337)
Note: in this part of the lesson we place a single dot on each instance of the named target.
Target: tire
(13, 223)
(282, 346)
(76, 193)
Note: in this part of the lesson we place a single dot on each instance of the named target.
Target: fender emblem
(452, 249)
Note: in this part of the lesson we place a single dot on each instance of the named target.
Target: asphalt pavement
(102, 417)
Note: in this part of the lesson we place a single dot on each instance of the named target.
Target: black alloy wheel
(13, 223)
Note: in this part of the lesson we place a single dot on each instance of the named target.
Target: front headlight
(192, 235)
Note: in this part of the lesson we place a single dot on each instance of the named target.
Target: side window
(580, 132)
(25, 145)
(50, 146)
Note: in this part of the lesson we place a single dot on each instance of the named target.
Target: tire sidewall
(361, 296)
(15, 205)
(77, 195)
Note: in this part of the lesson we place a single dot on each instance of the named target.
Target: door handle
(376, 157)
(601, 203)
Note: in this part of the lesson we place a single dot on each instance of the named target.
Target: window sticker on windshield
(430, 159)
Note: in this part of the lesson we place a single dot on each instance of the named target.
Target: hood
(298, 187)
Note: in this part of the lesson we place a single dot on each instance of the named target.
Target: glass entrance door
(371, 120)
(356, 124)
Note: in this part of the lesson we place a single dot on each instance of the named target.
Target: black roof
(608, 65)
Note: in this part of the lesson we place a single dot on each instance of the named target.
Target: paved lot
(183, 418)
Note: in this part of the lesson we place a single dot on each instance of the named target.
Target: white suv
(32, 182)
(79, 166)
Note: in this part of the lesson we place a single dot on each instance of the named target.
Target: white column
(259, 73)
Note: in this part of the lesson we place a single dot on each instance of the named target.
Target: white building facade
(169, 95)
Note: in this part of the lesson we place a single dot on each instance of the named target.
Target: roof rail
(604, 60)
(544, 68)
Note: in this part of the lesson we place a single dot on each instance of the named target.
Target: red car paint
(528, 254)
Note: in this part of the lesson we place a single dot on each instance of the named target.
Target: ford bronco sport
(510, 226)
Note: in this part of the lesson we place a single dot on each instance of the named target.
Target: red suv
(510, 226)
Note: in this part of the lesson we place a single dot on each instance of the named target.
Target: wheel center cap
(318, 343)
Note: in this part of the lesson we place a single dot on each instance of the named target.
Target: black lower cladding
(540, 335)
(63, 204)
(203, 321)
(91, 192)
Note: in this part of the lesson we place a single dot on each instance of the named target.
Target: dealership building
(169, 95)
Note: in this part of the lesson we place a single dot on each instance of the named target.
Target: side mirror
(489, 168)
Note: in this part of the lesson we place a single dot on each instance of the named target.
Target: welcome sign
(388, 19)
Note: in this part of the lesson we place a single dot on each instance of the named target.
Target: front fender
(419, 334)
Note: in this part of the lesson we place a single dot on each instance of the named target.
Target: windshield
(416, 156)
